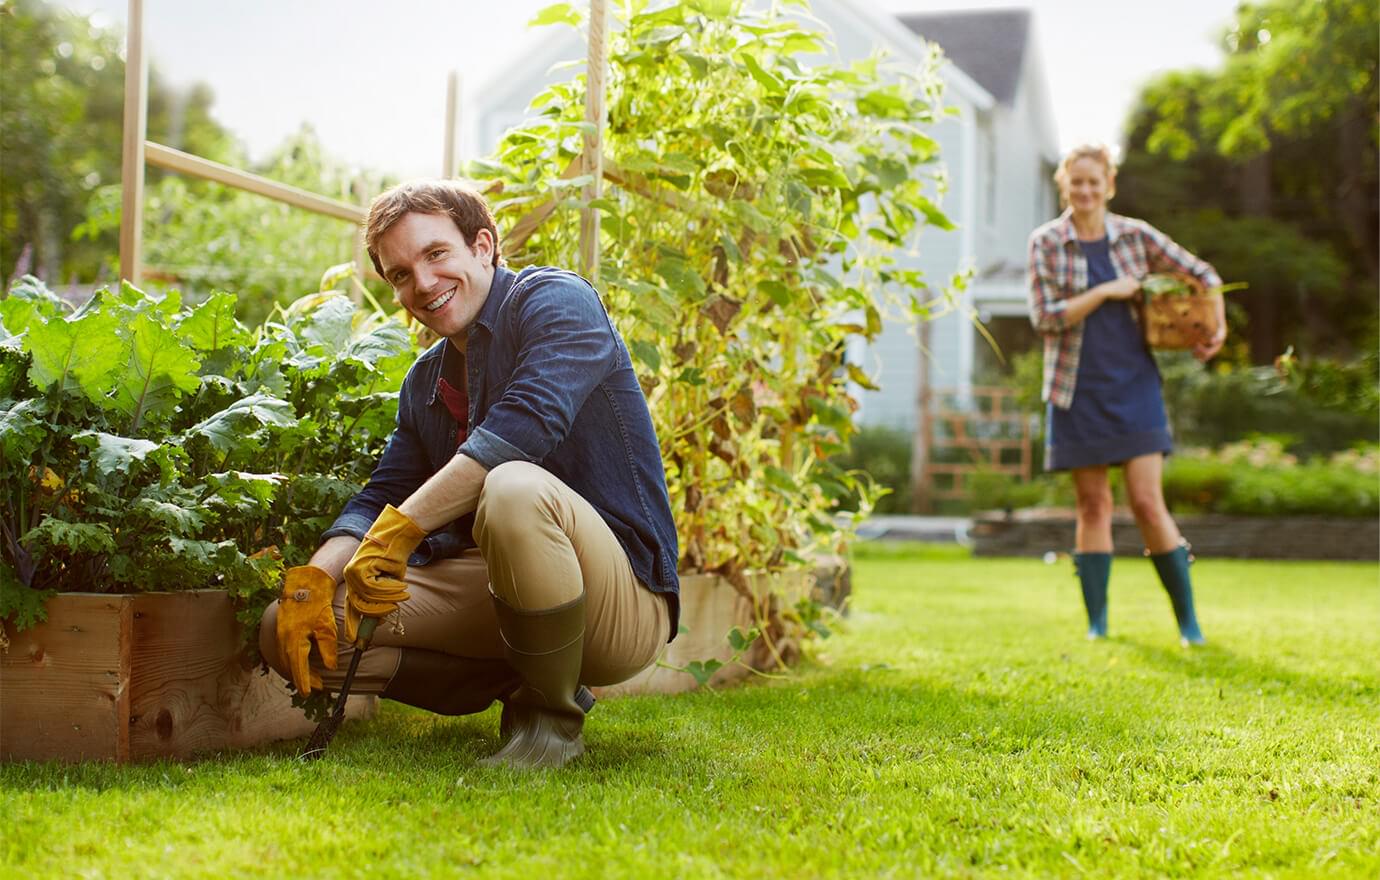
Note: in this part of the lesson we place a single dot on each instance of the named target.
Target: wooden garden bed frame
(138, 676)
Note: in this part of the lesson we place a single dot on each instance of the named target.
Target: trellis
(138, 152)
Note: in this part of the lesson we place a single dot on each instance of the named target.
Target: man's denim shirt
(549, 382)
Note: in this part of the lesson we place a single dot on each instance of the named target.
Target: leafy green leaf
(21, 429)
(768, 80)
(557, 13)
(244, 491)
(20, 604)
(161, 369)
(681, 277)
(740, 641)
(74, 536)
(113, 454)
(330, 323)
(178, 519)
(211, 326)
(383, 342)
(225, 428)
(29, 300)
(83, 353)
(646, 353)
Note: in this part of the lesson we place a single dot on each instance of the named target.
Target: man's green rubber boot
(450, 685)
(545, 647)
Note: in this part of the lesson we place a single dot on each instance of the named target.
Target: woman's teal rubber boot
(1094, 570)
(1172, 567)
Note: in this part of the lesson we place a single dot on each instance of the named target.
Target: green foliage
(60, 128)
(1245, 481)
(883, 454)
(1254, 478)
(1323, 408)
(1292, 67)
(150, 446)
(203, 236)
(758, 197)
(1267, 168)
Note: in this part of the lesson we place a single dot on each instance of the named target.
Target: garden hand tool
(304, 613)
(325, 731)
(374, 577)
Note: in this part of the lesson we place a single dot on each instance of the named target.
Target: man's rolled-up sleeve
(566, 347)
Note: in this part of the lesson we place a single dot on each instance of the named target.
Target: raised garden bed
(1036, 531)
(130, 677)
(711, 608)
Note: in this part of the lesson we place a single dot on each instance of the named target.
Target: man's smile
(441, 300)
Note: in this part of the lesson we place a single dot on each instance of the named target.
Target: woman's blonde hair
(1098, 152)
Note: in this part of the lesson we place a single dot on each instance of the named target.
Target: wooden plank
(185, 163)
(64, 683)
(193, 688)
(709, 609)
(593, 156)
(448, 154)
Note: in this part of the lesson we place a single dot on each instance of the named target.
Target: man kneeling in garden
(516, 535)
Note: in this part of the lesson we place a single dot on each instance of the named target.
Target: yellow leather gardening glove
(304, 613)
(374, 578)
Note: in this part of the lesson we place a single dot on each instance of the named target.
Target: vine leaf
(702, 670)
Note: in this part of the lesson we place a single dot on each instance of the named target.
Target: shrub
(1209, 407)
(883, 454)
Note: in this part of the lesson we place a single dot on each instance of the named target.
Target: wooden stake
(448, 160)
(132, 156)
(594, 147)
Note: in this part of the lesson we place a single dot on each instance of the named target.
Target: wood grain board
(134, 677)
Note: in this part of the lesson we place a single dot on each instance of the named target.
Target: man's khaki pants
(540, 545)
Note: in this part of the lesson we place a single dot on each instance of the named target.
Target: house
(1001, 160)
(999, 150)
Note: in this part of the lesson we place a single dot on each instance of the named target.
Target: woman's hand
(1123, 287)
(1204, 351)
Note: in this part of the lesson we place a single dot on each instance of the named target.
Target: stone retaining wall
(1035, 532)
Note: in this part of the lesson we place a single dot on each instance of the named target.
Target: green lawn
(958, 725)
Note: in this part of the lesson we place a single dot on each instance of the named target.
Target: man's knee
(512, 492)
(268, 640)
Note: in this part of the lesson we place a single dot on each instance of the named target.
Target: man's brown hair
(463, 205)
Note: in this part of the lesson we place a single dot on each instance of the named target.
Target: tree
(1268, 168)
(60, 135)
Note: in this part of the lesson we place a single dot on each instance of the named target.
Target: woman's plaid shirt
(1058, 271)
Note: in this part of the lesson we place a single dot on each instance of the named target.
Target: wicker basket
(1175, 318)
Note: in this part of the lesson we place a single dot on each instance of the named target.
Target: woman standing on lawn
(1101, 384)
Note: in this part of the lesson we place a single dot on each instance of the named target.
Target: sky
(374, 86)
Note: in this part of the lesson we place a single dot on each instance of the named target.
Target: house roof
(989, 45)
